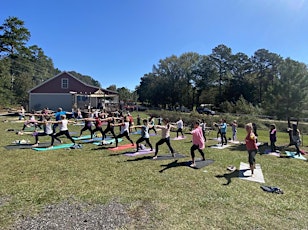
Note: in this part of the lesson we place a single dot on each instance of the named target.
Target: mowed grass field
(159, 194)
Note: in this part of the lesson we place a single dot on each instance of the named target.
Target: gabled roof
(65, 72)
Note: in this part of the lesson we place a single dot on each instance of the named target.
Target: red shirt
(98, 122)
(251, 141)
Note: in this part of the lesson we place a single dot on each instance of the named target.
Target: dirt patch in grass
(71, 214)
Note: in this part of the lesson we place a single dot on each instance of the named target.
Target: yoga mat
(91, 140)
(82, 137)
(235, 142)
(62, 146)
(178, 138)
(140, 152)
(123, 147)
(78, 124)
(218, 146)
(169, 156)
(136, 132)
(26, 146)
(293, 155)
(108, 141)
(200, 163)
(21, 142)
(245, 173)
(268, 152)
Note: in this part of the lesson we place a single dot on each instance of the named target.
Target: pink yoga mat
(178, 138)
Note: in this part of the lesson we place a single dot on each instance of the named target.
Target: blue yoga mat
(62, 146)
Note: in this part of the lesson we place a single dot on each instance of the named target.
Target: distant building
(66, 91)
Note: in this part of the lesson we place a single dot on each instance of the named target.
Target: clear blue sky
(118, 41)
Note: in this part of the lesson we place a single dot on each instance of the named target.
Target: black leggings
(162, 141)
(180, 130)
(153, 127)
(99, 129)
(192, 151)
(223, 137)
(86, 128)
(109, 130)
(66, 133)
(251, 156)
(42, 135)
(124, 134)
(147, 140)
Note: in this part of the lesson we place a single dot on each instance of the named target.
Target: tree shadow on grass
(229, 176)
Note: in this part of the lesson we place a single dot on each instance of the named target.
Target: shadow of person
(141, 158)
(173, 164)
(229, 176)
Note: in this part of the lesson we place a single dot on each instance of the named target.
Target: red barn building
(66, 91)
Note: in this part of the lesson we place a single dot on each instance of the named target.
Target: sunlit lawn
(181, 197)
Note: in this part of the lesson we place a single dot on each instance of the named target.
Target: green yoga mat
(62, 146)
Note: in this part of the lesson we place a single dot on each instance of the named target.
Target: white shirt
(125, 127)
(180, 124)
(48, 128)
(63, 125)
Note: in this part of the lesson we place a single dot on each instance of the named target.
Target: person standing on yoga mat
(198, 143)
(295, 137)
(87, 125)
(234, 130)
(251, 147)
(124, 130)
(110, 126)
(47, 126)
(63, 130)
(203, 127)
(145, 136)
(138, 122)
(152, 124)
(180, 126)
(58, 115)
(223, 132)
(165, 133)
(272, 136)
(98, 121)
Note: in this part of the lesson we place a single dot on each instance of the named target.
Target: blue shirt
(59, 114)
(223, 127)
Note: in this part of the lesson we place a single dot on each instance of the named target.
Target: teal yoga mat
(82, 137)
(62, 146)
(293, 155)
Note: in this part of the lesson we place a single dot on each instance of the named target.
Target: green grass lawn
(178, 197)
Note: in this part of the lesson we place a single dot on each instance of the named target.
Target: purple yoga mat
(140, 152)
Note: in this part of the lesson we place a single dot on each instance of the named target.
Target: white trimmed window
(64, 83)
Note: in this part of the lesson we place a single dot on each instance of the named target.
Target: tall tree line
(277, 85)
(23, 67)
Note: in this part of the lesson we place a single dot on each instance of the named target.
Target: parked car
(207, 111)
(141, 108)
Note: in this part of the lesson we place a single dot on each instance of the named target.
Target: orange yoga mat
(122, 147)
